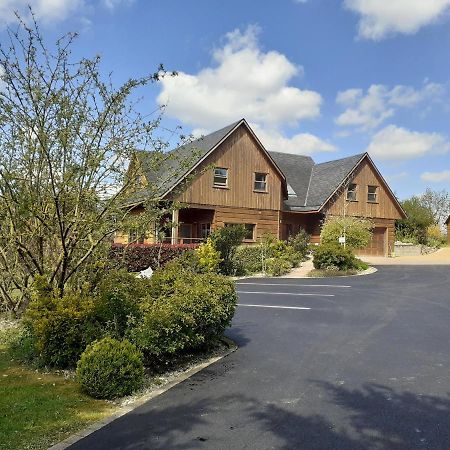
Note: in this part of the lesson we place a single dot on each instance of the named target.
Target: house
(233, 179)
(447, 223)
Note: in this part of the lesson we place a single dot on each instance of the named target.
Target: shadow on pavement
(375, 417)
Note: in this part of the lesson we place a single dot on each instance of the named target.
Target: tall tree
(66, 134)
(438, 202)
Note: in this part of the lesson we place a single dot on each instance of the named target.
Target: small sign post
(342, 240)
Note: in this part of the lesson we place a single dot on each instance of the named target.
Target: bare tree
(66, 134)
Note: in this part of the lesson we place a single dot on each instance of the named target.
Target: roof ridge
(309, 184)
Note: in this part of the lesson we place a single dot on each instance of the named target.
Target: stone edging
(145, 398)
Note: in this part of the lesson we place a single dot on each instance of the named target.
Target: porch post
(174, 236)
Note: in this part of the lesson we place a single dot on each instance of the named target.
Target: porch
(190, 226)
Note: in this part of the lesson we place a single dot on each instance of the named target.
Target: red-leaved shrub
(137, 257)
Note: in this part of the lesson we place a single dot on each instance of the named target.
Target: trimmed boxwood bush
(138, 257)
(328, 256)
(184, 310)
(110, 368)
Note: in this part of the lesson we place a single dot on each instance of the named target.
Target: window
(260, 183)
(351, 192)
(372, 194)
(205, 230)
(134, 237)
(220, 177)
(249, 232)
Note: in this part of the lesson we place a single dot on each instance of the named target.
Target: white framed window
(260, 182)
(372, 194)
(220, 177)
(351, 192)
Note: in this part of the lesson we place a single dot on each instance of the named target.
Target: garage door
(377, 246)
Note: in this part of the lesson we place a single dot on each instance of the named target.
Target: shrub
(208, 257)
(334, 257)
(138, 257)
(60, 328)
(248, 259)
(276, 267)
(116, 301)
(226, 240)
(358, 232)
(435, 237)
(185, 313)
(110, 368)
(300, 242)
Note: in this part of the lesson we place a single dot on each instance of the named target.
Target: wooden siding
(266, 221)
(448, 231)
(242, 156)
(365, 176)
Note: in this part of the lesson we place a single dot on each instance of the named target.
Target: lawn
(39, 409)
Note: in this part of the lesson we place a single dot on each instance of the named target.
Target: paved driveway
(367, 366)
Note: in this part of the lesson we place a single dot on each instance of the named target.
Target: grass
(322, 273)
(39, 409)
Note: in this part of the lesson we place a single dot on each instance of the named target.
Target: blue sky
(327, 78)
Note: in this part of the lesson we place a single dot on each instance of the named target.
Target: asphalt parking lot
(342, 363)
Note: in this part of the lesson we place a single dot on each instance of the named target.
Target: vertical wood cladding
(266, 221)
(242, 156)
(385, 206)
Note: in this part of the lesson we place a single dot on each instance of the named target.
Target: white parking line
(309, 294)
(271, 306)
(301, 285)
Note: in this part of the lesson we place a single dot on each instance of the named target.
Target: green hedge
(183, 311)
(110, 368)
(328, 257)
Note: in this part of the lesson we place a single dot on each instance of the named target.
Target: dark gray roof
(327, 177)
(312, 183)
(297, 169)
(178, 162)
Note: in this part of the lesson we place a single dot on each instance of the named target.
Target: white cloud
(396, 143)
(52, 10)
(243, 81)
(381, 18)
(368, 111)
(300, 143)
(44, 10)
(436, 177)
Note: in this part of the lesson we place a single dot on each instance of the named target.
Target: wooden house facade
(233, 179)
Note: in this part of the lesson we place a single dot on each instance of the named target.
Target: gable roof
(186, 158)
(308, 186)
(327, 178)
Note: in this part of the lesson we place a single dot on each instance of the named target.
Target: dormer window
(372, 194)
(220, 177)
(351, 192)
(260, 182)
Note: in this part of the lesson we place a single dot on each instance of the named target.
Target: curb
(232, 347)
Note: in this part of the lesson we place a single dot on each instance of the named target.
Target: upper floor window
(351, 192)
(260, 183)
(372, 194)
(220, 177)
